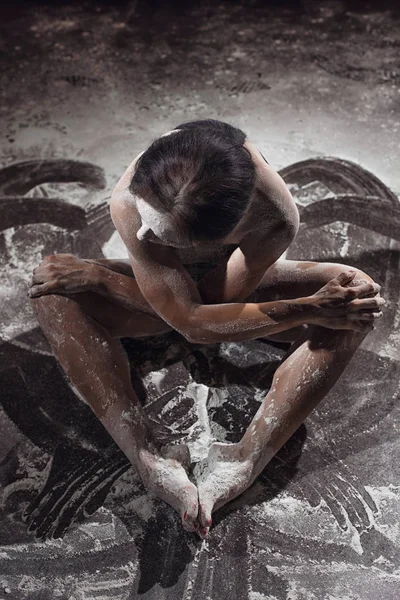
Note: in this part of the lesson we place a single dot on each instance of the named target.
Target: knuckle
(350, 292)
(361, 281)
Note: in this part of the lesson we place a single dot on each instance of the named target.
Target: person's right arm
(173, 295)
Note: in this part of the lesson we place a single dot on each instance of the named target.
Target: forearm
(247, 321)
(120, 265)
(116, 288)
(121, 289)
(215, 322)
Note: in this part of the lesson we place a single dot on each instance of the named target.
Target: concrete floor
(100, 83)
(97, 83)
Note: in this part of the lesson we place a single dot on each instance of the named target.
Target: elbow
(189, 335)
(200, 337)
(288, 227)
(289, 222)
(195, 335)
(292, 222)
(192, 339)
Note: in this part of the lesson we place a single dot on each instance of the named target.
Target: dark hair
(202, 176)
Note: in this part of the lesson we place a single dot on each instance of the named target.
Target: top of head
(193, 186)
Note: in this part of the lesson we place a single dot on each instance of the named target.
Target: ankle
(242, 451)
(257, 456)
(146, 442)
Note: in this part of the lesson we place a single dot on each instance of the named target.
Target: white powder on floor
(200, 437)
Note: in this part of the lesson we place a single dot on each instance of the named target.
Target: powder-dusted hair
(202, 176)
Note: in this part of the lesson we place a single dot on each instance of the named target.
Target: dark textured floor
(316, 87)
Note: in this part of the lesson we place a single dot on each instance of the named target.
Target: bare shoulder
(127, 221)
(122, 187)
(123, 205)
(123, 202)
(273, 200)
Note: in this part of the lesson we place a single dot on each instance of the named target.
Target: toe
(191, 526)
(190, 514)
(205, 519)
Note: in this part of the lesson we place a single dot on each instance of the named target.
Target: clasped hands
(345, 302)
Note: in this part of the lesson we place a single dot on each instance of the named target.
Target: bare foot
(223, 476)
(164, 473)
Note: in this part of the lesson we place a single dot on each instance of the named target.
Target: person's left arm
(276, 223)
(239, 275)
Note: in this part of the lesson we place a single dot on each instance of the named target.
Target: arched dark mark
(341, 176)
(20, 177)
(372, 212)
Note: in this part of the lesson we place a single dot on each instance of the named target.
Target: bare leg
(308, 371)
(81, 329)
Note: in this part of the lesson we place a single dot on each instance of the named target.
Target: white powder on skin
(160, 476)
(284, 513)
(156, 222)
(153, 221)
(215, 478)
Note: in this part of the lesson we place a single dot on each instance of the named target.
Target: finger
(205, 519)
(189, 517)
(364, 289)
(366, 303)
(365, 317)
(37, 278)
(370, 317)
(345, 277)
(192, 527)
(40, 290)
(377, 288)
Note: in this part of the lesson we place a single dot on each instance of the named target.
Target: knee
(52, 306)
(45, 300)
(361, 276)
(48, 305)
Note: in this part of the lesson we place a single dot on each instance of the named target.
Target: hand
(61, 273)
(338, 305)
